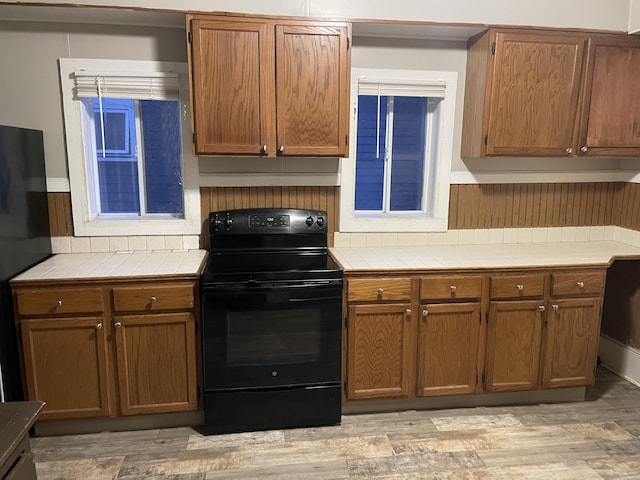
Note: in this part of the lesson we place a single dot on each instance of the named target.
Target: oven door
(275, 334)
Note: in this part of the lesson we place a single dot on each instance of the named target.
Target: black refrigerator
(24, 235)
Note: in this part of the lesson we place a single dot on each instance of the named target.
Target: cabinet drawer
(517, 286)
(379, 289)
(451, 287)
(577, 283)
(153, 298)
(54, 301)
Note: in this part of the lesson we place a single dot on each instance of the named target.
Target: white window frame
(85, 222)
(433, 217)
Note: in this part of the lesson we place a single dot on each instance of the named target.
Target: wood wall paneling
(60, 219)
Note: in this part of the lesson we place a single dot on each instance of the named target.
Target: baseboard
(620, 359)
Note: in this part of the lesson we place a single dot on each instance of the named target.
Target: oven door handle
(312, 299)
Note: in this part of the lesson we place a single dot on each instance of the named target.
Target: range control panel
(267, 220)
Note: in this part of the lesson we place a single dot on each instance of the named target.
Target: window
(128, 143)
(397, 176)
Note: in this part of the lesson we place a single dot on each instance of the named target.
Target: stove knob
(217, 223)
(228, 221)
(309, 221)
(320, 221)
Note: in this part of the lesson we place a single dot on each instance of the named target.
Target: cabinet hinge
(346, 386)
(348, 43)
(486, 139)
(486, 317)
(346, 322)
(346, 140)
(195, 137)
(483, 378)
(190, 37)
(493, 48)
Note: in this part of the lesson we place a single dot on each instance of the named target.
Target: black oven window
(273, 337)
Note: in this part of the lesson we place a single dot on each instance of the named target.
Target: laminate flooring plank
(541, 455)
(105, 468)
(475, 422)
(412, 464)
(617, 468)
(331, 470)
(360, 430)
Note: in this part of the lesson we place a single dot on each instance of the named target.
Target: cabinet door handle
(425, 313)
(584, 149)
(569, 150)
(541, 308)
(520, 287)
(453, 289)
(380, 291)
(117, 324)
(99, 326)
(152, 299)
(580, 284)
(281, 149)
(263, 149)
(59, 303)
(408, 312)
(555, 306)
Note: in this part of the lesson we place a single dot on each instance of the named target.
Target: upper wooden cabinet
(267, 87)
(541, 93)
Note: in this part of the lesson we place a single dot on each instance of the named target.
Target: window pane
(408, 152)
(370, 153)
(118, 186)
(162, 155)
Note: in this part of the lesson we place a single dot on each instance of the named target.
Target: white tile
(608, 232)
(61, 244)
(626, 236)
(525, 235)
(173, 242)
(481, 236)
(465, 237)
(118, 244)
(80, 245)
(635, 238)
(419, 238)
(99, 244)
(452, 237)
(374, 240)
(358, 239)
(436, 238)
(496, 235)
(568, 234)
(404, 239)
(596, 233)
(191, 242)
(554, 234)
(389, 239)
(616, 233)
(583, 234)
(539, 235)
(341, 239)
(510, 235)
(155, 242)
(137, 243)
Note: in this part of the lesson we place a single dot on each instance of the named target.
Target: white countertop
(354, 259)
(82, 266)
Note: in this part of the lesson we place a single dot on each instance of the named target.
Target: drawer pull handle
(425, 313)
(555, 306)
(380, 291)
(580, 284)
(99, 326)
(263, 149)
(520, 287)
(408, 312)
(59, 303)
(152, 300)
(117, 324)
(541, 308)
(453, 289)
(281, 149)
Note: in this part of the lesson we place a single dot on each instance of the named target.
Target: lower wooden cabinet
(380, 345)
(448, 338)
(136, 357)
(65, 362)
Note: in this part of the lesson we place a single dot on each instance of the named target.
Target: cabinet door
(611, 112)
(534, 94)
(232, 87)
(156, 363)
(381, 351)
(513, 345)
(448, 349)
(312, 71)
(573, 332)
(65, 366)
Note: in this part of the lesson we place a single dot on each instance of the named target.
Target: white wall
(30, 93)
(634, 17)
(591, 14)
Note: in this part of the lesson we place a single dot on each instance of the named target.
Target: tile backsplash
(124, 244)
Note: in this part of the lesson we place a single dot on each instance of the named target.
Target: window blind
(397, 88)
(148, 86)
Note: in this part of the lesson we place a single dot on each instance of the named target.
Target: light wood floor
(595, 439)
